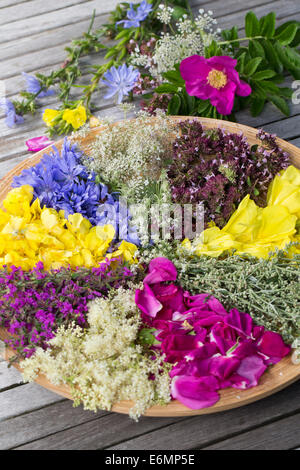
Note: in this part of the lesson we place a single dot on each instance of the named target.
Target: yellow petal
(49, 115)
(243, 223)
(276, 224)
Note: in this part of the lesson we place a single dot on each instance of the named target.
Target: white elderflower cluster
(124, 153)
(104, 364)
(191, 38)
(164, 14)
(205, 21)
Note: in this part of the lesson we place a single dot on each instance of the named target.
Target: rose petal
(273, 347)
(195, 392)
(147, 302)
(161, 270)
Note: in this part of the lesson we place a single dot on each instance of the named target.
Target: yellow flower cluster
(254, 230)
(76, 117)
(29, 234)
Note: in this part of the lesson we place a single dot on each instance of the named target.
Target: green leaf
(280, 103)
(251, 25)
(267, 25)
(256, 49)
(296, 40)
(178, 12)
(263, 74)
(252, 65)
(289, 58)
(174, 76)
(146, 336)
(166, 88)
(272, 56)
(174, 105)
(191, 103)
(269, 87)
(241, 63)
(286, 92)
(287, 35)
(257, 105)
(203, 106)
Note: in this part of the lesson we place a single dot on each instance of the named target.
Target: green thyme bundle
(266, 289)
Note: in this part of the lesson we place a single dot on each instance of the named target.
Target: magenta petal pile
(210, 348)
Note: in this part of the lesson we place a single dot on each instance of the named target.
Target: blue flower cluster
(120, 80)
(134, 17)
(34, 86)
(12, 118)
(61, 182)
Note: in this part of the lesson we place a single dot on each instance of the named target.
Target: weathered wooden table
(33, 34)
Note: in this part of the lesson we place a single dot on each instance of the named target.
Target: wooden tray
(275, 379)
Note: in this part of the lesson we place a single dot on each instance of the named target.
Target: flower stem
(221, 43)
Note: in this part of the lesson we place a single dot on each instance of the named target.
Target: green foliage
(269, 54)
(66, 76)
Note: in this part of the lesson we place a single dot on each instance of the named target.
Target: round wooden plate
(275, 378)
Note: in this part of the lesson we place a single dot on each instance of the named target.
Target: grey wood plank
(9, 377)
(99, 433)
(30, 9)
(295, 142)
(47, 21)
(54, 37)
(286, 128)
(25, 398)
(66, 33)
(281, 435)
(204, 430)
(40, 41)
(290, 7)
(44, 422)
(7, 3)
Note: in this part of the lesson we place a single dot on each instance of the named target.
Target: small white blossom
(164, 14)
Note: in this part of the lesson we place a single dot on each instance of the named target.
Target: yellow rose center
(217, 79)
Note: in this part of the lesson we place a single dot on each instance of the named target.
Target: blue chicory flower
(136, 16)
(34, 86)
(120, 80)
(12, 118)
(60, 181)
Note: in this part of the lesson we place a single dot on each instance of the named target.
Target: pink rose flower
(38, 143)
(214, 79)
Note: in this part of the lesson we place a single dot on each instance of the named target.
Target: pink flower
(38, 143)
(215, 79)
